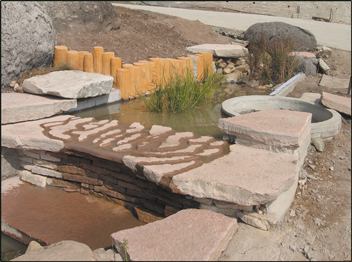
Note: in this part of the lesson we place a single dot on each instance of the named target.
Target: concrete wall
(137, 78)
(341, 10)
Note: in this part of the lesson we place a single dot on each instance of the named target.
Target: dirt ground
(318, 226)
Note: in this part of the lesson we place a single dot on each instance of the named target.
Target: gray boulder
(309, 66)
(27, 39)
(73, 17)
(303, 39)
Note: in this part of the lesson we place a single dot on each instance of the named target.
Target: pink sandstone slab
(272, 127)
(338, 103)
(246, 176)
(334, 82)
(18, 107)
(29, 135)
(304, 54)
(221, 50)
(190, 234)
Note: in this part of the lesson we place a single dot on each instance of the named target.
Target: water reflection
(202, 120)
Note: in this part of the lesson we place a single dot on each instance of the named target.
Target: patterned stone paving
(151, 150)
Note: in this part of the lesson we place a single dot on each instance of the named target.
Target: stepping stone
(246, 176)
(69, 84)
(334, 82)
(275, 127)
(29, 135)
(18, 107)
(220, 50)
(190, 234)
(339, 103)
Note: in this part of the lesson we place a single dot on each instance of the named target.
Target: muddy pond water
(202, 120)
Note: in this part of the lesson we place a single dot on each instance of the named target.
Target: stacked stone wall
(74, 171)
(78, 172)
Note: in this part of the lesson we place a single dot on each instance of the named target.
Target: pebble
(18, 88)
(312, 177)
(13, 83)
(331, 168)
(318, 144)
(312, 166)
(309, 253)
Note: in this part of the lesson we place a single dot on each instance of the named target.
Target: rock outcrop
(303, 39)
(27, 39)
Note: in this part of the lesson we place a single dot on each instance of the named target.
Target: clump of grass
(42, 71)
(272, 63)
(182, 93)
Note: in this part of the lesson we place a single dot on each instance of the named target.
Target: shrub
(272, 63)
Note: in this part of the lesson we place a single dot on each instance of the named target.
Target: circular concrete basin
(325, 122)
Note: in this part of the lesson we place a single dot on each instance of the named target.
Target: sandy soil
(318, 226)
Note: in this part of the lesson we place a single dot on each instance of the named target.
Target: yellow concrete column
(208, 65)
(152, 83)
(60, 52)
(158, 76)
(165, 71)
(88, 63)
(114, 65)
(106, 62)
(81, 59)
(143, 77)
(149, 73)
(130, 93)
(200, 67)
(123, 82)
(72, 59)
(173, 67)
(137, 80)
(98, 59)
(189, 69)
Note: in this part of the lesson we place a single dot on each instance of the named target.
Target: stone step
(49, 215)
(272, 129)
(18, 107)
(69, 84)
(190, 234)
(339, 103)
(220, 50)
(246, 176)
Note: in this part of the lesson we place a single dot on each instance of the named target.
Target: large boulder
(303, 39)
(27, 39)
(73, 17)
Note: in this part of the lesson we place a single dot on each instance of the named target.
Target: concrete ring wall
(325, 122)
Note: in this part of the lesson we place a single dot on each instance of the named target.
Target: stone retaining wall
(137, 78)
(79, 172)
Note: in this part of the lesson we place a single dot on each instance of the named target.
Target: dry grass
(42, 71)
